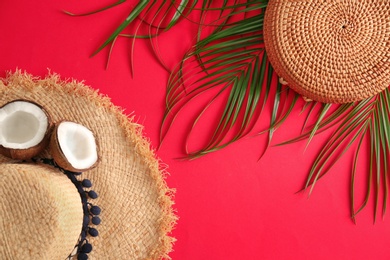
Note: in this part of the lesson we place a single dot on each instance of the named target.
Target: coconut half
(24, 129)
(73, 147)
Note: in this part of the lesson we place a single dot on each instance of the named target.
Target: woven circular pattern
(41, 203)
(136, 204)
(330, 51)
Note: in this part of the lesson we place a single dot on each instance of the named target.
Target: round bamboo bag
(330, 51)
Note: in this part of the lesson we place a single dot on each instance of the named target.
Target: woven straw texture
(136, 203)
(330, 51)
(39, 203)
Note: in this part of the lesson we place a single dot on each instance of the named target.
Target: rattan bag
(330, 51)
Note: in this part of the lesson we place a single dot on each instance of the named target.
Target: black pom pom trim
(86, 183)
(86, 248)
(96, 220)
(92, 194)
(90, 211)
(93, 232)
(95, 210)
(82, 256)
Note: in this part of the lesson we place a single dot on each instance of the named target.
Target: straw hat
(42, 214)
(330, 51)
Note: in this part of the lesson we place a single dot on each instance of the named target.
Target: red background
(230, 205)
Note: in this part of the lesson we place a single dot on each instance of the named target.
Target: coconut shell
(58, 155)
(25, 154)
(28, 153)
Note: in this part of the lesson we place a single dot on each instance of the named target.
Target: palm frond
(133, 14)
(97, 10)
(354, 123)
(228, 64)
(230, 60)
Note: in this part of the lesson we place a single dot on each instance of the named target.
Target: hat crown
(41, 203)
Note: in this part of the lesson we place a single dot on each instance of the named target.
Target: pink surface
(230, 205)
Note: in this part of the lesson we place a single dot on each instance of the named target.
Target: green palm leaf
(354, 122)
(97, 10)
(229, 65)
(232, 59)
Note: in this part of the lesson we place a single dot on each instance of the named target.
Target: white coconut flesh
(22, 125)
(78, 145)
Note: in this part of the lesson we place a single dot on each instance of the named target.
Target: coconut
(25, 128)
(73, 147)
